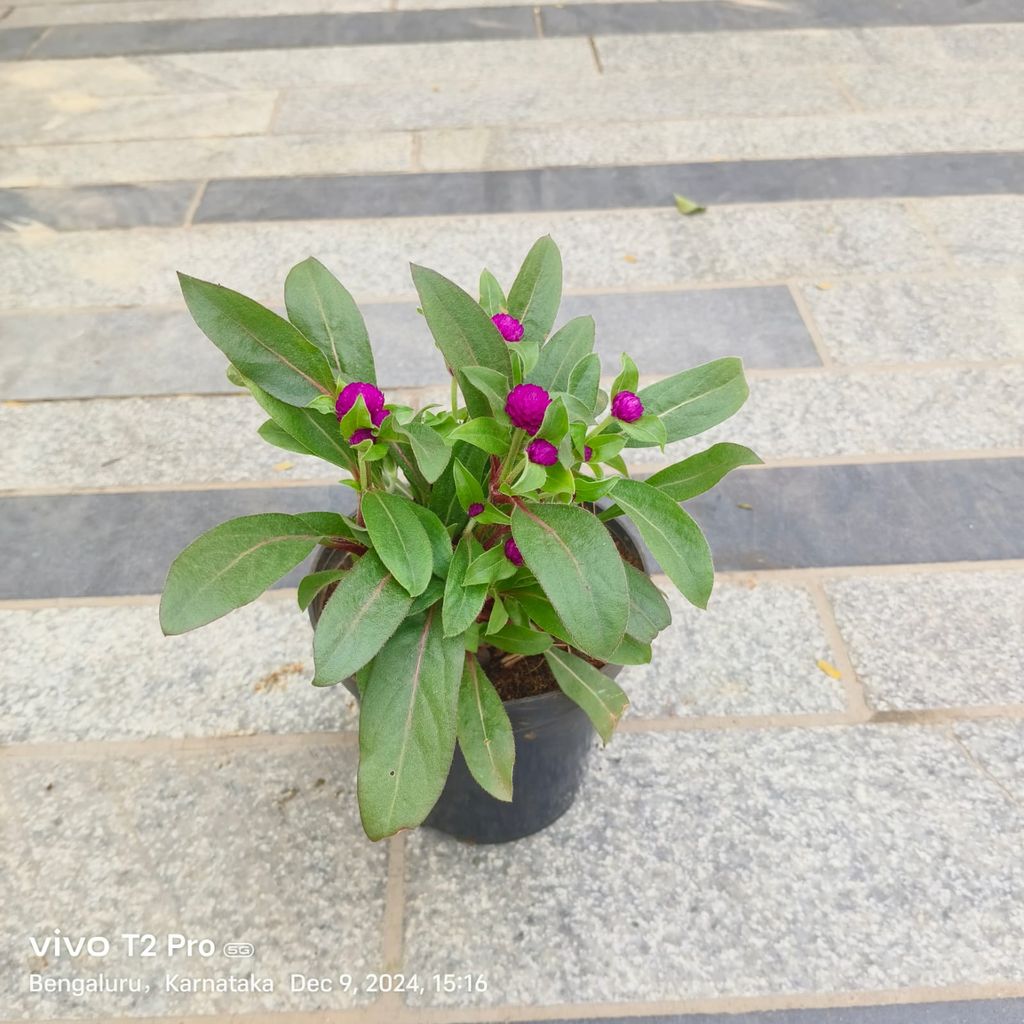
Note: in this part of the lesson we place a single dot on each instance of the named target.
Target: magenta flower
(588, 453)
(373, 397)
(362, 434)
(379, 416)
(512, 552)
(544, 453)
(627, 407)
(474, 510)
(508, 326)
(526, 405)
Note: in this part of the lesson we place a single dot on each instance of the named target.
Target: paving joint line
(811, 324)
(857, 703)
(920, 218)
(595, 54)
(193, 205)
(981, 769)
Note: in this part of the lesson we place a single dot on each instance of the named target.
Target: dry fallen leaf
(823, 286)
(743, 505)
(280, 467)
(629, 258)
(829, 669)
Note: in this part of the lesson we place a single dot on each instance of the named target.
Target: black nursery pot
(553, 739)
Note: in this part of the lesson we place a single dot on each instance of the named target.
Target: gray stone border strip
(554, 189)
(443, 25)
(93, 545)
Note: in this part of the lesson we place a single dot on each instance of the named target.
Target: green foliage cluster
(463, 535)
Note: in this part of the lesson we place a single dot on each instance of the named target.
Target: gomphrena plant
(477, 532)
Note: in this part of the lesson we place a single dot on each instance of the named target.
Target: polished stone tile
(246, 674)
(755, 651)
(936, 640)
(870, 514)
(17, 42)
(105, 206)
(260, 847)
(751, 863)
(957, 318)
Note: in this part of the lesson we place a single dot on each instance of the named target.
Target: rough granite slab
(737, 863)
(753, 652)
(617, 251)
(937, 640)
(979, 231)
(110, 674)
(262, 847)
(998, 748)
(916, 321)
(105, 206)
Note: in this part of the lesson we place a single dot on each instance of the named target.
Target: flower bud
(474, 510)
(372, 396)
(526, 405)
(362, 434)
(508, 326)
(542, 452)
(512, 552)
(627, 407)
(588, 453)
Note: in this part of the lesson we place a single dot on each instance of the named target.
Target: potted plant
(481, 591)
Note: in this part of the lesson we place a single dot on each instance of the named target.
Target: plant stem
(513, 453)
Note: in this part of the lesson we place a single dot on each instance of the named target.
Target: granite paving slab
(979, 231)
(616, 251)
(600, 188)
(259, 846)
(998, 748)
(838, 515)
(961, 318)
(152, 352)
(936, 640)
(755, 651)
(751, 863)
(110, 674)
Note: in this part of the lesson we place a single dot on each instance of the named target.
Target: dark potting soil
(518, 675)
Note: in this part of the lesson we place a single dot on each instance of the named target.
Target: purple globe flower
(544, 453)
(379, 416)
(588, 453)
(512, 552)
(508, 326)
(627, 407)
(474, 510)
(362, 434)
(526, 405)
(373, 397)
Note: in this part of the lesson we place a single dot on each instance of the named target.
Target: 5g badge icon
(237, 950)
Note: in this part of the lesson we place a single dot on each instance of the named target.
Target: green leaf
(467, 487)
(577, 565)
(628, 378)
(631, 652)
(537, 290)
(492, 298)
(489, 567)
(556, 422)
(524, 355)
(542, 612)
(429, 448)
(559, 480)
(280, 438)
(463, 331)
(592, 690)
(519, 640)
(433, 594)
(647, 430)
(531, 479)
(493, 514)
(649, 612)
(702, 471)
(440, 542)
(592, 490)
(319, 433)
(321, 307)
(488, 384)
(498, 617)
(483, 433)
(674, 538)
(333, 524)
(398, 537)
(462, 603)
(687, 206)
(407, 725)
(366, 607)
(262, 345)
(311, 585)
(444, 499)
(566, 347)
(585, 381)
(696, 400)
(231, 565)
(485, 732)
